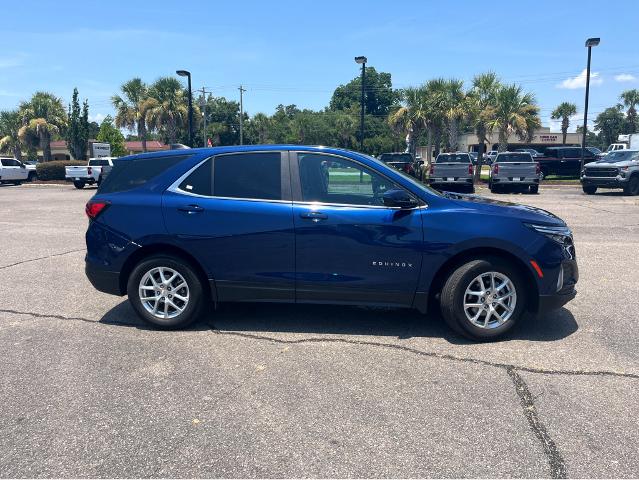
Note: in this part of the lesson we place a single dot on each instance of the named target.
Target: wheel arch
(474, 253)
(165, 249)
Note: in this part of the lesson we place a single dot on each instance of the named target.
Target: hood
(603, 163)
(525, 213)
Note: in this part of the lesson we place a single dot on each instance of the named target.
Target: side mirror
(398, 199)
(22, 165)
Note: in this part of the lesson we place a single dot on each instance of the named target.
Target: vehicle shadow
(266, 318)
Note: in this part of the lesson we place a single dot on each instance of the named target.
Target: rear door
(233, 212)
(350, 248)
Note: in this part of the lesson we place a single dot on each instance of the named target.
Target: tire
(471, 189)
(454, 296)
(534, 189)
(632, 188)
(79, 184)
(32, 176)
(589, 189)
(194, 292)
(17, 182)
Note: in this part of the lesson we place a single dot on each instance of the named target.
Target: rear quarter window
(130, 174)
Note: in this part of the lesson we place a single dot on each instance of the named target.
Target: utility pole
(242, 90)
(203, 105)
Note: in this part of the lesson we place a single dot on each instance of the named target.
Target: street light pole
(242, 90)
(362, 60)
(591, 42)
(186, 73)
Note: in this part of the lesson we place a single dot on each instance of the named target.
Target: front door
(349, 247)
(234, 214)
(10, 169)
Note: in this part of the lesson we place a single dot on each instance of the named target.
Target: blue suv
(282, 223)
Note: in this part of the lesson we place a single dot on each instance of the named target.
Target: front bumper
(103, 280)
(609, 182)
(556, 300)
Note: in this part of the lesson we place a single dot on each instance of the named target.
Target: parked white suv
(14, 171)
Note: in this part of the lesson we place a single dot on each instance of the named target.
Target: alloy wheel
(163, 292)
(490, 300)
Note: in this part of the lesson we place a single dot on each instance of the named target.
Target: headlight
(560, 235)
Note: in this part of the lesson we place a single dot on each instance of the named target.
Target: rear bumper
(457, 181)
(510, 181)
(103, 280)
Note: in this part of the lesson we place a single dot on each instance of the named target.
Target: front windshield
(396, 157)
(412, 180)
(453, 158)
(621, 156)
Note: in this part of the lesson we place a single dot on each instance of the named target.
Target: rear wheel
(165, 291)
(17, 182)
(534, 189)
(483, 298)
(632, 188)
(589, 189)
(79, 184)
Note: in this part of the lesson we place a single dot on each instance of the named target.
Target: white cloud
(580, 81)
(98, 117)
(625, 77)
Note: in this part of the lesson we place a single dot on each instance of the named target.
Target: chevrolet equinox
(281, 223)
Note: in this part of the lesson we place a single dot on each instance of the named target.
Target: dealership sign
(99, 149)
(548, 138)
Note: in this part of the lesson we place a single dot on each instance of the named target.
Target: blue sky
(299, 51)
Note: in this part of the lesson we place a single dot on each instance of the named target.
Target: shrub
(54, 170)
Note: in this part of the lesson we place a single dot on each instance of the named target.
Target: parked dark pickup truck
(565, 161)
(400, 161)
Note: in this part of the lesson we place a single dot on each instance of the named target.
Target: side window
(12, 163)
(329, 179)
(200, 181)
(248, 175)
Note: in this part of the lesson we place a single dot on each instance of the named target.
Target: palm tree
(564, 110)
(455, 110)
(630, 99)
(515, 113)
(482, 103)
(261, 124)
(42, 117)
(10, 124)
(131, 108)
(167, 109)
(409, 119)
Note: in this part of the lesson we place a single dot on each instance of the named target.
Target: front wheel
(166, 292)
(483, 298)
(534, 189)
(589, 189)
(32, 176)
(632, 188)
(79, 184)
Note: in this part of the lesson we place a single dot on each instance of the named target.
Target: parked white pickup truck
(14, 171)
(514, 170)
(90, 174)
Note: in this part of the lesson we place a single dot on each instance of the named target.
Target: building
(542, 138)
(59, 150)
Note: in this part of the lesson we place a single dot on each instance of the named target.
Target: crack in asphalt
(42, 258)
(555, 460)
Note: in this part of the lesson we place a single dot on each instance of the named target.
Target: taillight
(496, 168)
(432, 169)
(537, 168)
(93, 209)
(89, 170)
(470, 169)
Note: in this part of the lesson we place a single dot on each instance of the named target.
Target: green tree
(10, 123)
(379, 96)
(411, 118)
(455, 110)
(564, 111)
(516, 113)
(110, 134)
(610, 124)
(222, 121)
(630, 99)
(258, 129)
(77, 132)
(482, 104)
(43, 117)
(132, 108)
(167, 109)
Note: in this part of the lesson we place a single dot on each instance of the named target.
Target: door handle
(315, 216)
(191, 208)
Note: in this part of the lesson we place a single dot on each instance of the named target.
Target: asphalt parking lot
(298, 391)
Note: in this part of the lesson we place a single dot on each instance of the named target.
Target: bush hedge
(54, 170)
